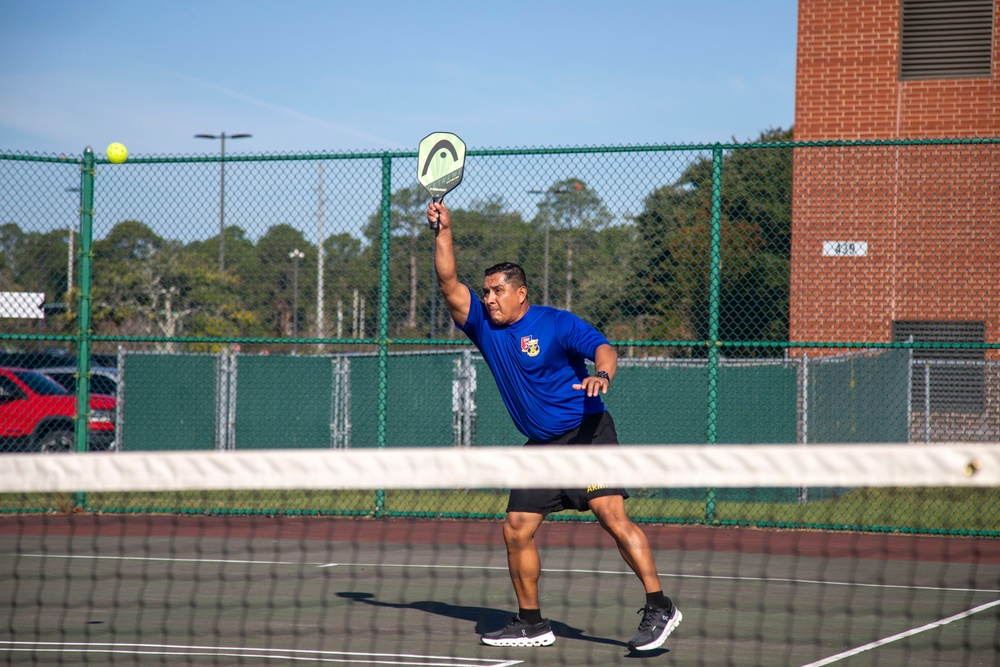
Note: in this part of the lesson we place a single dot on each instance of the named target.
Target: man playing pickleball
(538, 357)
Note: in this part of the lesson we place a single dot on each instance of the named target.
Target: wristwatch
(603, 374)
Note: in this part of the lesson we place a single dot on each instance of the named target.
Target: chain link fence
(769, 292)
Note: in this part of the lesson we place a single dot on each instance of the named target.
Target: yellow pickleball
(117, 153)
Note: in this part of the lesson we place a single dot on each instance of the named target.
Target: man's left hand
(593, 385)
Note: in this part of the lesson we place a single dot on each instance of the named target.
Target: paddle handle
(433, 225)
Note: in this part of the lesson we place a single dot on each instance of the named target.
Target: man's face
(505, 302)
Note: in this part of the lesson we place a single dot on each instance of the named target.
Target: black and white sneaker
(654, 628)
(521, 633)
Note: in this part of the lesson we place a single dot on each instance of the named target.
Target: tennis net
(775, 555)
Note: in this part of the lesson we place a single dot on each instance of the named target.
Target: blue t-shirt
(535, 362)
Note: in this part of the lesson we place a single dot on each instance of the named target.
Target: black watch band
(602, 374)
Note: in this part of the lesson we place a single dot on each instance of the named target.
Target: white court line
(170, 560)
(372, 660)
(902, 635)
(720, 577)
(498, 568)
(402, 659)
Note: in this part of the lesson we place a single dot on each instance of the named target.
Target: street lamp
(296, 256)
(222, 190)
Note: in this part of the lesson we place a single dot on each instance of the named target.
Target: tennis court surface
(139, 585)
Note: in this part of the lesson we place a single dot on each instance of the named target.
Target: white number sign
(845, 248)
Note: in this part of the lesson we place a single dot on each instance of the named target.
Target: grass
(958, 511)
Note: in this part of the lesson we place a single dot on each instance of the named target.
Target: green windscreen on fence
(283, 402)
(667, 404)
(266, 402)
(169, 402)
(674, 413)
(419, 401)
(859, 398)
(757, 405)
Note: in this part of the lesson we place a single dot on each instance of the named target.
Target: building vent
(955, 377)
(946, 39)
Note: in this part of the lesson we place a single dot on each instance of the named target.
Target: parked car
(103, 380)
(34, 360)
(37, 414)
(53, 358)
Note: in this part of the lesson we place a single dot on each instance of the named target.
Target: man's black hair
(513, 273)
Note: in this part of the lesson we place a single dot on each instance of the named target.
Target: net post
(383, 317)
(81, 430)
(715, 281)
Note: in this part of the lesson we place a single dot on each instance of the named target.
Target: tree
(10, 240)
(349, 272)
(407, 217)
(569, 208)
(140, 284)
(36, 262)
(33, 261)
(674, 230)
(604, 291)
(230, 303)
(274, 275)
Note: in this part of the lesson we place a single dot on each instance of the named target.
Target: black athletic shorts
(595, 429)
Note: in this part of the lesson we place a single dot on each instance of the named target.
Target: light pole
(222, 189)
(296, 256)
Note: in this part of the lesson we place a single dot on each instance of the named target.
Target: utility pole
(69, 259)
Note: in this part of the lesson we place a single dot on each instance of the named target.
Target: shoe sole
(547, 639)
(668, 628)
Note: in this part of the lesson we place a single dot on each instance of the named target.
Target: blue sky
(331, 76)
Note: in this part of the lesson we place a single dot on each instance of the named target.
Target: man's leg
(523, 561)
(631, 541)
(659, 615)
(528, 628)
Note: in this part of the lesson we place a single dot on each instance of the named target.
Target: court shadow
(642, 655)
(485, 618)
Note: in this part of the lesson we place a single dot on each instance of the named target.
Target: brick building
(918, 227)
(898, 242)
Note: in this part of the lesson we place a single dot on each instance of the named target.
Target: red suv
(37, 414)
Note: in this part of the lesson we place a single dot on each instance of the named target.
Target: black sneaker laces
(649, 614)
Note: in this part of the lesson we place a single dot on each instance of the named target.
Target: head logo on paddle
(440, 163)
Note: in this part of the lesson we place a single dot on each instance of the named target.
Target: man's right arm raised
(456, 295)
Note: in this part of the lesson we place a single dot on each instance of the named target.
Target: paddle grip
(433, 225)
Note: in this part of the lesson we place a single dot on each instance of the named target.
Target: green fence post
(383, 318)
(714, 286)
(87, 172)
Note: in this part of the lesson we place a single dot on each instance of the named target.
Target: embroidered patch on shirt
(529, 345)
